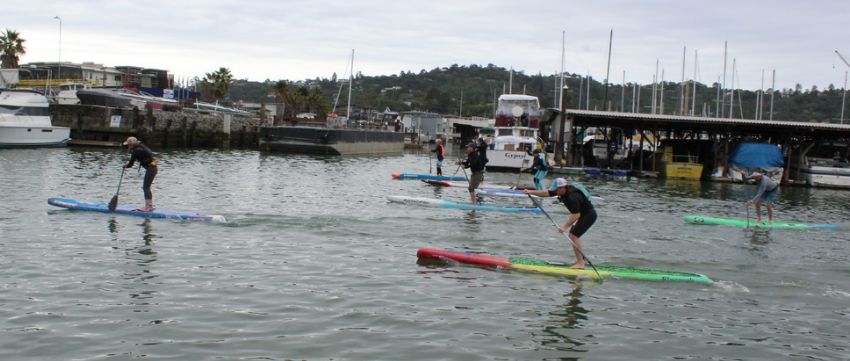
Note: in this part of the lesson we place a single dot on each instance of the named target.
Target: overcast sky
(300, 39)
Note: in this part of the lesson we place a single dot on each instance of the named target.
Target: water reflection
(557, 331)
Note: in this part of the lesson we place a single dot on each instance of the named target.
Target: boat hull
(11, 137)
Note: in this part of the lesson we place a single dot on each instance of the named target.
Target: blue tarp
(757, 155)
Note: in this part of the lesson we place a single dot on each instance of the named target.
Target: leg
(769, 212)
(150, 174)
(578, 252)
(758, 211)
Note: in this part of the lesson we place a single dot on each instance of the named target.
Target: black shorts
(583, 224)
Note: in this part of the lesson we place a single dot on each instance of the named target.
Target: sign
(115, 122)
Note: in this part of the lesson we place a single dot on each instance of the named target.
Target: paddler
(540, 166)
(582, 213)
(475, 161)
(766, 194)
(441, 153)
(143, 154)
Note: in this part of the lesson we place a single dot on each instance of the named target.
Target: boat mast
(350, 80)
(721, 105)
(694, 94)
(772, 92)
(607, 72)
(561, 91)
(682, 84)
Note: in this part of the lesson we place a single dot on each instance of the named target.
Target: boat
(215, 108)
(765, 157)
(515, 133)
(719, 221)
(402, 176)
(677, 164)
(823, 164)
(25, 121)
(108, 98)
(439, 203)
(561, 269)
(67, 92)
(130, 211)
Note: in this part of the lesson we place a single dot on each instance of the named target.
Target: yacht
(25, 121)
(823, 164)
(515, 133)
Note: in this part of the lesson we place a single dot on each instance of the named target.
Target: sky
(305, 39)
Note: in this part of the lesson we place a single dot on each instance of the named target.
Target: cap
(558, 183)
(470, 145)
(756, 174)
(131, 140)
(536, 150)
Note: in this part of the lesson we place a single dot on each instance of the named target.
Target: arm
(570, 222)
(132, 160)
(540, 193)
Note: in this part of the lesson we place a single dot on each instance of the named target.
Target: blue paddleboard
(130, 211)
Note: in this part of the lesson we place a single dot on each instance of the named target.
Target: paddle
(540, 206)
(113, 203)
(524, 162)
(748, 215)
(429, 161)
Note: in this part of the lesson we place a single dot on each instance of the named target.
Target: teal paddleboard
(718, 221)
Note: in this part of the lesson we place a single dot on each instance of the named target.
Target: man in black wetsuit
(475, 161)
(582, 214)
(140, 152)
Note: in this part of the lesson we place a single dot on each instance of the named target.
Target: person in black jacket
(475, 161)
(582, 214)
(139, 152)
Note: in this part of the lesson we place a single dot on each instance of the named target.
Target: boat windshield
(16, 110)
(518, 110)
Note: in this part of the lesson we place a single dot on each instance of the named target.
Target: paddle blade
(113, 203)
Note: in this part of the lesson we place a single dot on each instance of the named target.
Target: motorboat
(515, 133)
(823, 164)
(25, 121)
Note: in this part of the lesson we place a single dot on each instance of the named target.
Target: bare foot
(577, 265)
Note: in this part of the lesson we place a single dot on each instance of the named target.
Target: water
(315, 264)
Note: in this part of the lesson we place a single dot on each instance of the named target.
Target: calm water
(315, 264)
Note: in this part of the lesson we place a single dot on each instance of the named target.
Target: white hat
(558, 183)
(756, 174)
(131, 140)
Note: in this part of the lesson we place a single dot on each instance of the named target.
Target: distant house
(426, 125)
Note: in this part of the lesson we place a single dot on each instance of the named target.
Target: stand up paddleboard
(439, 203)
(130, 211)
(402, 176)
(462, 184)
(533, 265)
(717, 221)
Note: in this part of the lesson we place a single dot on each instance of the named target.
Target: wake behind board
(130, 211)
(533, 265)
(402, 176)
(439, 203)
(718, 221)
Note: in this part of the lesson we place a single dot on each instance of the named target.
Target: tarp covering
(757, 155)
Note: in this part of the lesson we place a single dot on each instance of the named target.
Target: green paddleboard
(718, 221)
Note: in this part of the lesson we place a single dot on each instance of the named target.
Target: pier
(710, 138)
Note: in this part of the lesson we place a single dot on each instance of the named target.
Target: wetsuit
(577, 202)
(145, 157)
(441, 152)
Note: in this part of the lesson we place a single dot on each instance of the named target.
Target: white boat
(67, 93)
(25, 121)
(824, 165)
(516, 132)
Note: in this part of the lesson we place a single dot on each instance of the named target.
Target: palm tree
(219, 81)
(11, 46)
(282, 96)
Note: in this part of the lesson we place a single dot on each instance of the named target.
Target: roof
(717, 125)
(516, 97)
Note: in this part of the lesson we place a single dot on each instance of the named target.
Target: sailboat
(335, 120)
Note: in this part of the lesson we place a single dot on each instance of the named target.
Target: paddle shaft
(429, 161)
(113, 203)
(540, 206)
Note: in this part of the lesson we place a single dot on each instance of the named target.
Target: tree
(218, 82)
(282, 97)
(11, 47)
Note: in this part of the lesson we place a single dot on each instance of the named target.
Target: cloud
(298, 39)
